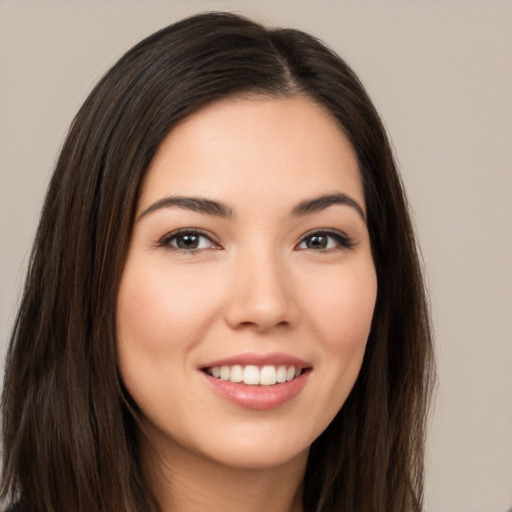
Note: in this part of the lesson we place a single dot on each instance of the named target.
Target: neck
(186, 482)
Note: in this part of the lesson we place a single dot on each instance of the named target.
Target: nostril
(261, 325)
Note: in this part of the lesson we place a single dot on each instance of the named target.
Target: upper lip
(273, 358)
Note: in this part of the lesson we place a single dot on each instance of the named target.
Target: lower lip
(258, 397)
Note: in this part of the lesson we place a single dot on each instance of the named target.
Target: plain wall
(440, 73)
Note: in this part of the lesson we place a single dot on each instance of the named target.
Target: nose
(261, 296)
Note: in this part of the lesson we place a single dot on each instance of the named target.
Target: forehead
(266, 148)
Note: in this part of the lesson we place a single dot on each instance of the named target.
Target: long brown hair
(69, 427)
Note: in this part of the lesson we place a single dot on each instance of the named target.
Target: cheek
(160, 312)
(342, 312)
(160, 319)
(342, 307)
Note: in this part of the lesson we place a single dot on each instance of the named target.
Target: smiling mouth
(252, 375)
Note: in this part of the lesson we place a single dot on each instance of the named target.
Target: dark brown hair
(69, 431)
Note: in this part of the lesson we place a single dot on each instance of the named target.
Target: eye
(188, 241)
(325, 241)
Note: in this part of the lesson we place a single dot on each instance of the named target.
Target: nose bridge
(261, 291)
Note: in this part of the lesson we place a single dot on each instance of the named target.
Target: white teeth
(253, 375)
(281, 374)
(268, 376)
(237, 373)
(224, 372)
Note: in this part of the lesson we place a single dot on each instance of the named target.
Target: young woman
(224, 308)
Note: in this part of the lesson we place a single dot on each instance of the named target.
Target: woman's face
(249, 286)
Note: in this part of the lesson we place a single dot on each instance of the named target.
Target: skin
(256, 284)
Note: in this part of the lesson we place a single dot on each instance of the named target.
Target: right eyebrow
(195, 204)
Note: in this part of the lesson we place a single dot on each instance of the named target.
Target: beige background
(440, 74)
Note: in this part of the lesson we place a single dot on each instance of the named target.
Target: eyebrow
(196, 204)
(218, 209)
(324, 201)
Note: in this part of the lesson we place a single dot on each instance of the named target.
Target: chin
(257, 457)
(246, 446)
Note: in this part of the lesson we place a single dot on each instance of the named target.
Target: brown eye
(317, 242)
(188, 241)
(325, 241)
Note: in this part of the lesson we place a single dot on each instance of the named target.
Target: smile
(257, 381)
(253, 375)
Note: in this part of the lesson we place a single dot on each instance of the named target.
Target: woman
(224, 306)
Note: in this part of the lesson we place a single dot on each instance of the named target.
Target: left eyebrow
(322, 202)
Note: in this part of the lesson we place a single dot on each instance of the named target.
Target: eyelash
(342, 240)
(166, 240)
